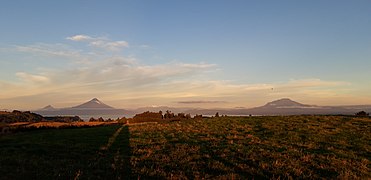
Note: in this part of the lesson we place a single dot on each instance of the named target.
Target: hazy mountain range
(279, 107)
(92, 107)
(288, 107)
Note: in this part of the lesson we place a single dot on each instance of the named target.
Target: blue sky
(141, 53)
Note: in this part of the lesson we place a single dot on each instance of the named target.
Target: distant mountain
(285, 107)
(92, 108)
(285, 103)
(93, 104)
(48, 108)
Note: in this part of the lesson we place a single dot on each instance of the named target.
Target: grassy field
(260, 147)
(309, 147)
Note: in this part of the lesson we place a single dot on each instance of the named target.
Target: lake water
(87, 117)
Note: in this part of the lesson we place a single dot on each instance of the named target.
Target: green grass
(262, 147)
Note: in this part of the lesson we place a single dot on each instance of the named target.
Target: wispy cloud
(100, 42)
(31, 78)
(80, 37)
(113, 46)
(201, 102)
(49, 50)
(314, 82)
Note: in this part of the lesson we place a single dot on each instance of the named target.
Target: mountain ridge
(285, 102)
(48, 108)
(284, 106)
(94, 107)
(94, 103)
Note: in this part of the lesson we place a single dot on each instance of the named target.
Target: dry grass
(309, 147)
(19, 124)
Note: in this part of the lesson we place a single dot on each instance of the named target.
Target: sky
(208, 53)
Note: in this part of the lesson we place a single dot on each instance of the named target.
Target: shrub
(362, 113)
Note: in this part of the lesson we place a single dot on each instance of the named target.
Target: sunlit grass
(243, 147)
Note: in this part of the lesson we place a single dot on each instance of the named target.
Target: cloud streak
(54, 50)
(100, 42)
(31, 78)
(80, 37)
(201, 102)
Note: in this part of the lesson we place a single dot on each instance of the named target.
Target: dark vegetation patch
(18, 116)
(51, 154)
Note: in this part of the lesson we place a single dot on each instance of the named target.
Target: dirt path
(112, 139)
(112, 160)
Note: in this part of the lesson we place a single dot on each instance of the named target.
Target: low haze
(184, 53)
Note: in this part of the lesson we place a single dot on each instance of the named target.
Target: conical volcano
(93, 104)
(285, 103)
(48, 108)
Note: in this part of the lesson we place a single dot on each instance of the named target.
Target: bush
(362, 114)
